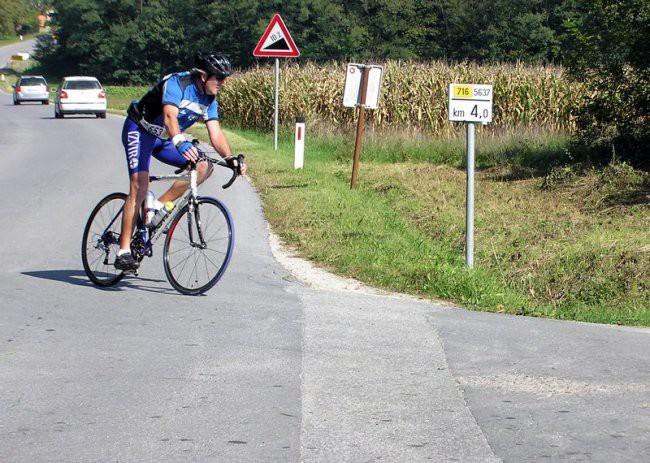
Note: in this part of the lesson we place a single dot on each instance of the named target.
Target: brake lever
(236, 172)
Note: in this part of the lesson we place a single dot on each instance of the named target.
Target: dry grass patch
(583, 241)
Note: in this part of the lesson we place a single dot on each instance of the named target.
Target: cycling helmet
(213, 63)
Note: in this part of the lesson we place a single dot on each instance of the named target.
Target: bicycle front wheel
(198, 247)
(101, 240)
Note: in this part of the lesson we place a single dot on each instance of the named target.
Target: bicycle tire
(101, 240)
(190, 269)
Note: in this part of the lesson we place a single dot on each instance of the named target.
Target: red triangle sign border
(293, 49)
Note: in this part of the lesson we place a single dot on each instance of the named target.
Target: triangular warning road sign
(276, 41)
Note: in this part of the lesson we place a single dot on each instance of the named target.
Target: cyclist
(154, 127)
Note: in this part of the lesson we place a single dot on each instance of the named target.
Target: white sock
(157, 205)
(123, 251)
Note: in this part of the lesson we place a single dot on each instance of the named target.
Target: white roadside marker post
(299, 143)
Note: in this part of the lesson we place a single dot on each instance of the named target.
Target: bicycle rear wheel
(198, 247)
(101, 240)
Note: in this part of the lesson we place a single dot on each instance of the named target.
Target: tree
(143, 47)
(232, 28)
(606, 45)
(130, 40)
(327, 30)
(499, 30)
(120, 41)
(18, 13)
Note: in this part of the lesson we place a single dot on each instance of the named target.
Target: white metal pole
(469, 249)
(277, 90)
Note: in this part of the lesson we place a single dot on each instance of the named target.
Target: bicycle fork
(193, 212)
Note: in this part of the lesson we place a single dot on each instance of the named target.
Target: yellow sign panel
(462, 91)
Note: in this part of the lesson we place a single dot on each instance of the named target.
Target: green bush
(606, 46)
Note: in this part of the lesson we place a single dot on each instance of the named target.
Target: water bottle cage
(159, 217)
(152, 220)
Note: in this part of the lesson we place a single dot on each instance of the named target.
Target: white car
(80, 95)
(31, 88)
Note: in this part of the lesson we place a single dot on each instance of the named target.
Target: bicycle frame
(189, 199)
(149, 237)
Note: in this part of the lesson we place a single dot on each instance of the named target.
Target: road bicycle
(199, 235)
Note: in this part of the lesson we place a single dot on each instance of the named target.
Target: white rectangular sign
(470, 103)
(352, 92)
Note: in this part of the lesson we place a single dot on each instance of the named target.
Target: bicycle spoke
(190, 267)
(101, 235)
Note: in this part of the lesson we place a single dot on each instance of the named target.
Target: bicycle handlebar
(236, 170)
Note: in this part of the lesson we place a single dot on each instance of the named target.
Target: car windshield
(81, 85)
(28, 81)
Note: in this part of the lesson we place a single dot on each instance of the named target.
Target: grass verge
(558, 242)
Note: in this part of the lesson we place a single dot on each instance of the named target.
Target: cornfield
(413, 97)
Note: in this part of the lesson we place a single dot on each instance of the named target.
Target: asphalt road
(18, 47)
(265, 368)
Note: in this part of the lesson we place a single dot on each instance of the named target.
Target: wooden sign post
(362, 85)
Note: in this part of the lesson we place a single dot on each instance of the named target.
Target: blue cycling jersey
(144, 133)
(179, 90)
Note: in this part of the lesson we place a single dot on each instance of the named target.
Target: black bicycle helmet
(213, 63)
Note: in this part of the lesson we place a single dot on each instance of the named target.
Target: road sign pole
(277, 91)
(469, 247)
(360, 127)
(276, 42)
(472, 104)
